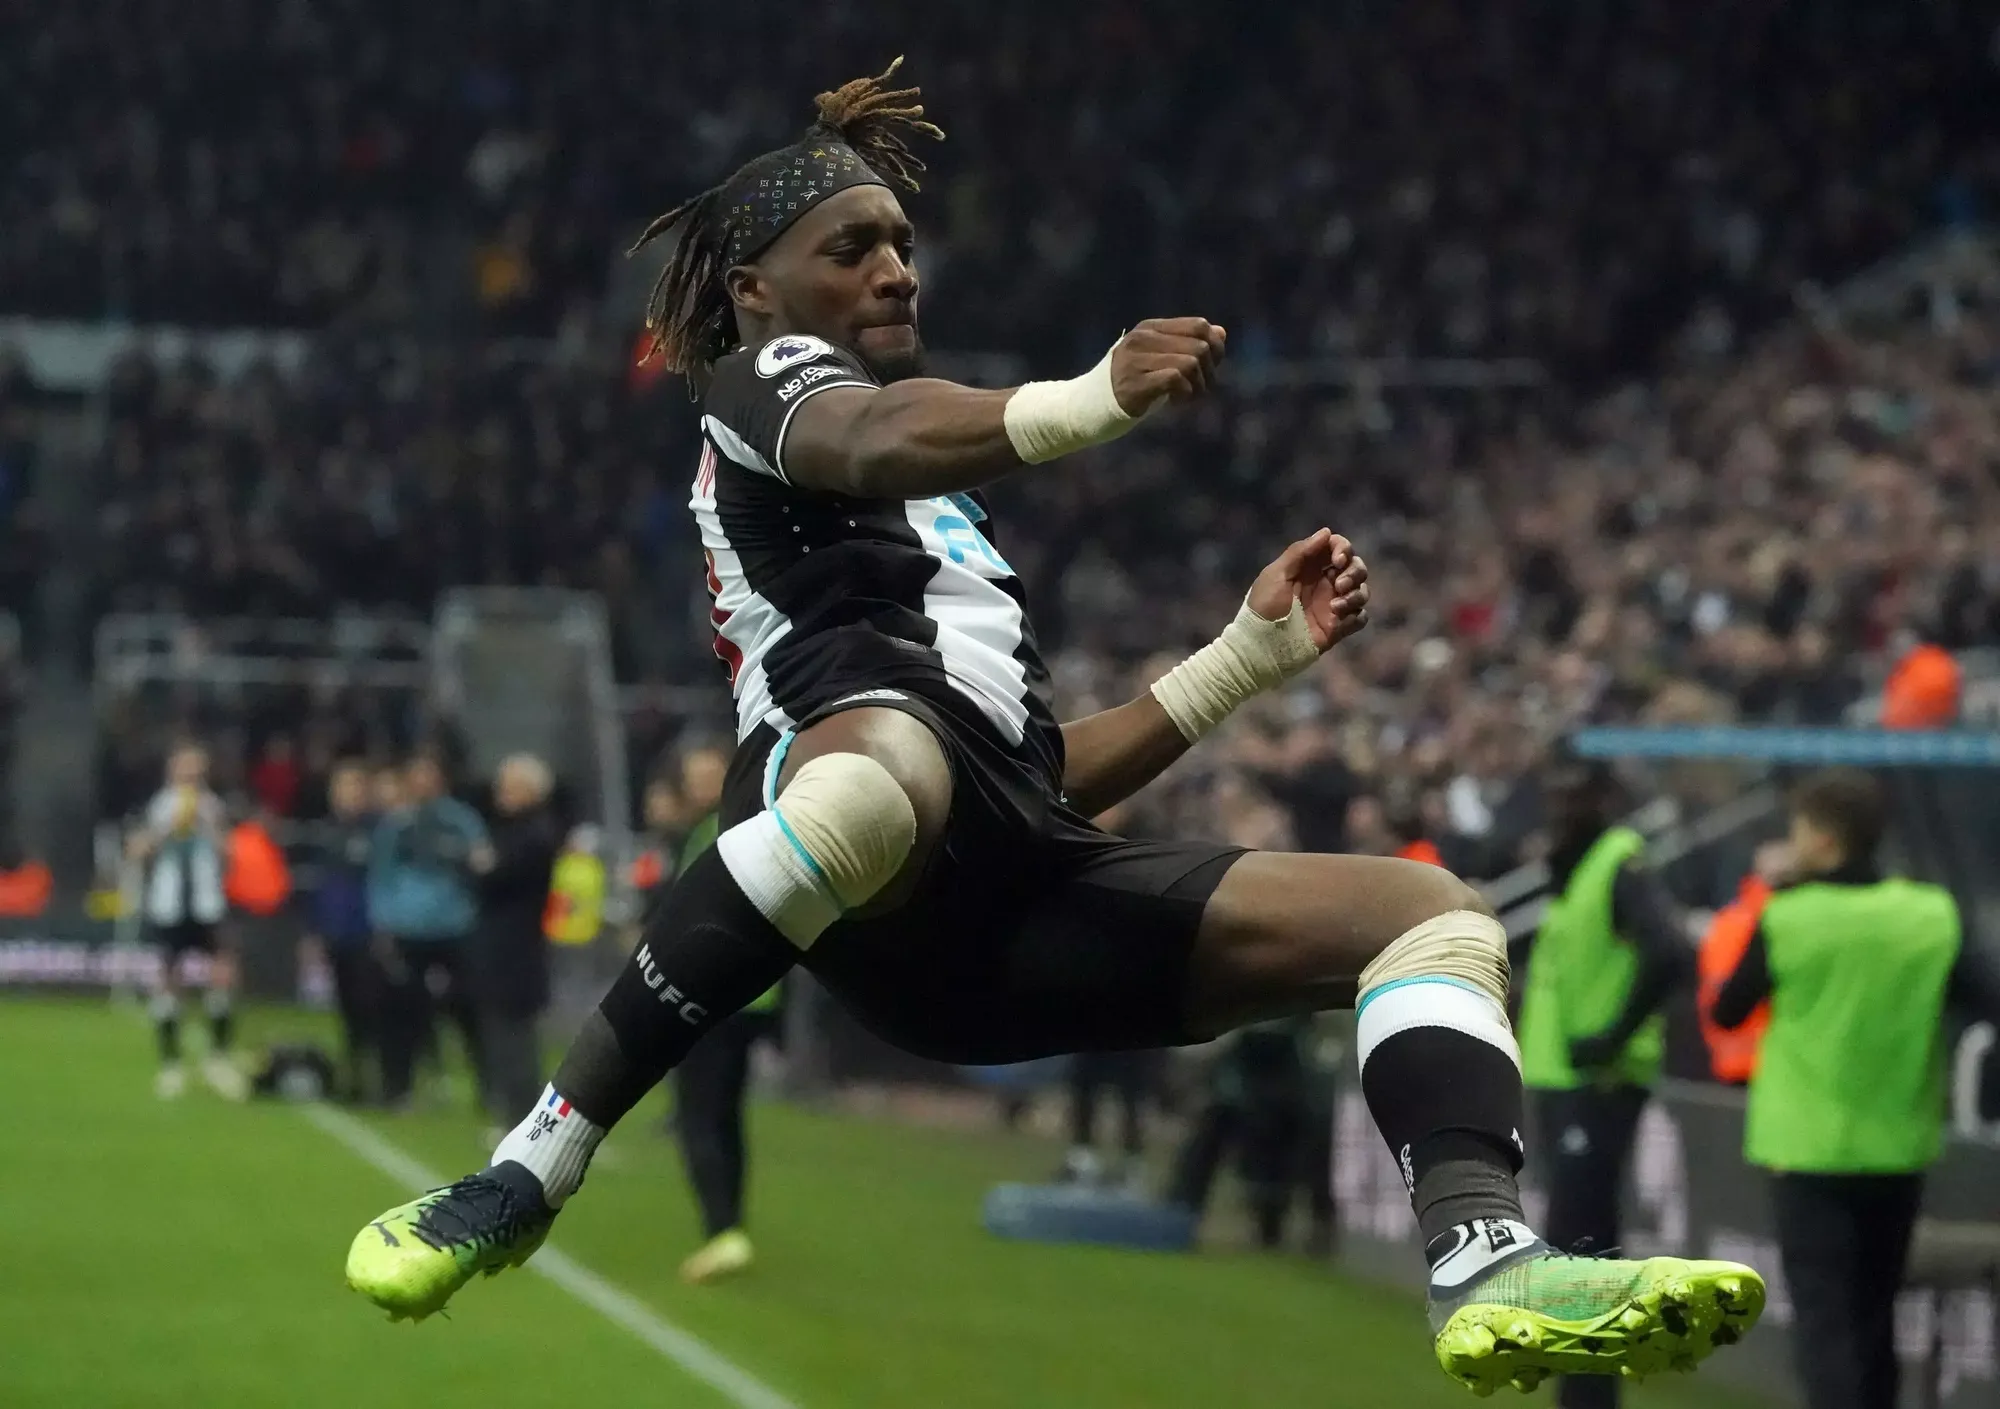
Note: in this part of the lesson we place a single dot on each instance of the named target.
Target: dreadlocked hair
(689, 312)
(873, 120)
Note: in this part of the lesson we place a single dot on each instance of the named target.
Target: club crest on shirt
(788, 351)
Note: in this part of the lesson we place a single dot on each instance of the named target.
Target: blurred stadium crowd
(1586, 193)
(1425, 178)
(1729, 544)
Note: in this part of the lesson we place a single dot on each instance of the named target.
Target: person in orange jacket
(1732, 1052)
(25, 889)
(1924, 690)
(255, 878)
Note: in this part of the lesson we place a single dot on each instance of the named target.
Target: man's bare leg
(1286, 934)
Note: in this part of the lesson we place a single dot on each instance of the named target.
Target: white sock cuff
(1432, 1001)
(777, 877)
(839, 832)
(554, 1143)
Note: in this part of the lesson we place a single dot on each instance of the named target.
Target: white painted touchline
(686, 1350)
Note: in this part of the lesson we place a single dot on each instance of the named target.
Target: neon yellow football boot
(413, 1258)
(1554, 1315)
(724, 1255)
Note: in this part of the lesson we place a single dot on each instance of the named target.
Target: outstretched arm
(1301, 606)
(922, 437)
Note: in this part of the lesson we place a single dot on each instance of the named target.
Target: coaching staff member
(1847, 1104)
(1606, 956)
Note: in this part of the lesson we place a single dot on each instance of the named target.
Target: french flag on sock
(557, 1104)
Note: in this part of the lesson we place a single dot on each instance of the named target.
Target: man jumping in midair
(905, 817)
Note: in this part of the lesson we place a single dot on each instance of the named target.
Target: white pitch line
(686, 1350)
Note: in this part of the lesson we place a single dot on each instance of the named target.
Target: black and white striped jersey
(817, 596)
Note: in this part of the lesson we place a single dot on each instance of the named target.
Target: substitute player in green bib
(1847, 1105)
(1606, 955)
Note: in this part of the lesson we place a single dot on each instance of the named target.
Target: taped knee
(830, 842)
(1464, 946)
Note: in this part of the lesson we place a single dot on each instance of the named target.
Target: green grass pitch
(190, 1254)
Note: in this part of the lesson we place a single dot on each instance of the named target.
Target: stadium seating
(1736, 541)
(1587, 196)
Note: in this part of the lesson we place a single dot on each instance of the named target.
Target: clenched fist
(1165, 359)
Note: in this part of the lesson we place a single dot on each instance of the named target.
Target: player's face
(188, 768)
(845, 272)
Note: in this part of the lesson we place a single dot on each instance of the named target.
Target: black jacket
(513, 954)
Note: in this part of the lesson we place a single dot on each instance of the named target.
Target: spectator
(338, 928)
(1923, 690)
(1607, 954)
(513, 954)
(275, 781)
(423, 862)
(1847, 1105)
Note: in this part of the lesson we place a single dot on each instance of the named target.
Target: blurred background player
(1132, 1080)
(182, 845)
(1847, 1103)
(1606, 956)
(1263, 1101)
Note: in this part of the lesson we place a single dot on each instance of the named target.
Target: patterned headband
(766, 196)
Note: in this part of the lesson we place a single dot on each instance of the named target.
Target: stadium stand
(1733, 541)
(1580, 196)
(1426, 178)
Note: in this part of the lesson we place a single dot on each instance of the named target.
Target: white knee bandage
(837, 835)
(1450, 971)
(1460, 944)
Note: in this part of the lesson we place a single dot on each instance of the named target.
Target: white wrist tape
(1251, 655)
(1049, 419)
